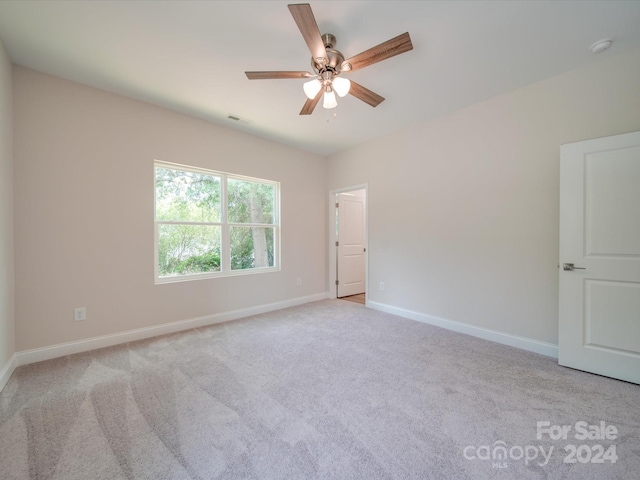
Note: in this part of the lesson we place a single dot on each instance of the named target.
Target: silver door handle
(569, 267)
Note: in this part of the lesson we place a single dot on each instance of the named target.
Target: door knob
(569, 267)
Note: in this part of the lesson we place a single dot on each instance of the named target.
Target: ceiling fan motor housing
(334, 57)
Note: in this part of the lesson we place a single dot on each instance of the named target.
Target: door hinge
(337, 244)
(337, 204)
(337, 282)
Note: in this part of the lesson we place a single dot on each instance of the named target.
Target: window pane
(187, 249)
(251, 247)
(187, 196)
(250, 202)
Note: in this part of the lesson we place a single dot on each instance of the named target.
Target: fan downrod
(329, 40)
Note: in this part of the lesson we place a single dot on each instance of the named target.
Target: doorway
(599, 317)
(348, 247)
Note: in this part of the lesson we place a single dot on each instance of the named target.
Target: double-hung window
(210, 224)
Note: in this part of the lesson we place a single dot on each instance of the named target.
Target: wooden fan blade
(309, 105)
(303, 16)
(365, 94)
(273, 75)
(390, 48)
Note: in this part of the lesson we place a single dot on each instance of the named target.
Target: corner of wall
(7, 265)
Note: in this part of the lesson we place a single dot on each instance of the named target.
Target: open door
(599, 314)
(350, 243)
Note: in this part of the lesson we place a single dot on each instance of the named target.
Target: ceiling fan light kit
(311, 88)
(329, 99)
(328, 63)
(341, 86)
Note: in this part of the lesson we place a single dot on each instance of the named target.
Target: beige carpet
(328, 390)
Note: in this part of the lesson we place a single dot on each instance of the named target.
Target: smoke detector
(601, 45)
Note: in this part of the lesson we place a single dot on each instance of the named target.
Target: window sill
(208, 276)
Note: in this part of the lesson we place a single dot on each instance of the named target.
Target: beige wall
(463, 210)
(7, 277)
(84, 212)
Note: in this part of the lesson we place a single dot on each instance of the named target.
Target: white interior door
(351, 250)
(600, 235)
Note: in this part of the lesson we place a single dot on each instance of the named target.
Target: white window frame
(225, 226)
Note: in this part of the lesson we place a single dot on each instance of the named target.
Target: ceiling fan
(328, 64)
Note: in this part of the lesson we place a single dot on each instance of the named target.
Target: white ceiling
(191, 56)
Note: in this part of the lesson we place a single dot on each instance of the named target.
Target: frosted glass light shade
(341, 86)
(312, 88)
(329, 100)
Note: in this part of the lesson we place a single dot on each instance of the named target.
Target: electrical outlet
(382, 286)
(299, 282)
(80, 314)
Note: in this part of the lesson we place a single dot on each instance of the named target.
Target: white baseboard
(60, 350)
(7, 371)
(543, 348)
